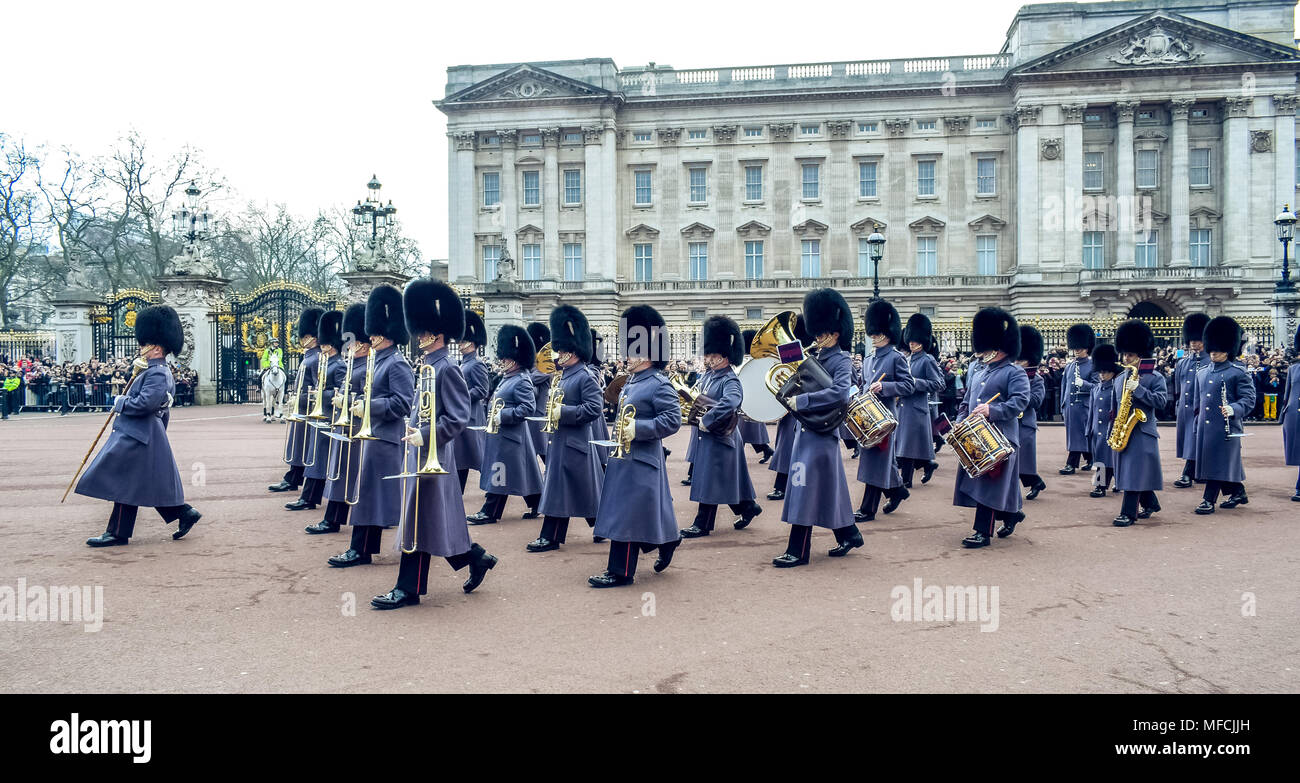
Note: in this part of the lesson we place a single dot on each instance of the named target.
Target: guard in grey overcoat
(1185, 393)
(818, 493)
(1137, 465)
(1101, 415)
(297, 445)
(344, 460)
(1031, 355)
(571, 487)
(392, 392)
(433, 509)
(1076, 386)
(636, 505)
(509, 458)
(754, 433)
(998, 390)
(329, 337)
(1219, 431)
(136, 467)
(721, 472)
(885, 371)
(915, 431)
(1291, 417)
(541, 335)
(469, 443)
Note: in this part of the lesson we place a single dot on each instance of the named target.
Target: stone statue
(505, 266)
(191, 261)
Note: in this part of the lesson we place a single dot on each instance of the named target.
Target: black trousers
(494, 505)
(690, 469)
(1029, 480)
(121, 522)
(413, 571)
(365, 539)
(984, 517)
(800, 541)
(463, 474)
(1073, 459)
(557, 528)
(293, 476)
(312, 491)
(1189, 468)
(1129, 506)
(762, 448)
(871, 498)
(624, 554)
(708, 513)
(1228, 488)
(336, 512)
(781, 479)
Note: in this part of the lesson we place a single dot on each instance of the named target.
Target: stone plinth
(194, 297)
(1286, 316)
(73, 325)
(503, 303)
(358, 285)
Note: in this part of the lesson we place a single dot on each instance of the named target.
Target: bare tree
(74, 205)
(24, 266)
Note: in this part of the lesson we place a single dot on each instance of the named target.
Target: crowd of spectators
(33, 382)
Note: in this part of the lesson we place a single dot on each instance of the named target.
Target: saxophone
(1127, 417)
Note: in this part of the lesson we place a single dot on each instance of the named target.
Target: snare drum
(868, 420)
(980, 446)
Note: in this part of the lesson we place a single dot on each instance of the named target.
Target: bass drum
(759, 404)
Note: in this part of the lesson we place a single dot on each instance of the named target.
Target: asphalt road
(246, 603)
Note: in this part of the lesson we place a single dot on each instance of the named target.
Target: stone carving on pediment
(1050, 149)
(68, 346)
(1261, 141)
(525, 89)
(1157, 47)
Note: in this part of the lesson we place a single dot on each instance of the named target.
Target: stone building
(1110, 158)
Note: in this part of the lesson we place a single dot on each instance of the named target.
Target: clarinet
(1227, 422)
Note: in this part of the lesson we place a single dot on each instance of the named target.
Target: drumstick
(991, 399)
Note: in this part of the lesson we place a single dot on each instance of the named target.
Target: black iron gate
(250, 324)
(113, 324)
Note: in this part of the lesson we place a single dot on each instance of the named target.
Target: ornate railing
(649, 81)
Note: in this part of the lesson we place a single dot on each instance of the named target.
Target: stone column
(1284, 151)
(194, 298)
(552, 197)
(609, 241)
(1236, 181)
(1125, 255)
(73, 324)
(358, 285)
(462, 266)
(1028, 209)
(509, 191)
(1179, 187)
(1072, 185)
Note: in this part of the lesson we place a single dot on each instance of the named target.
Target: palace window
(925, 178)
(1198, 166)
(1093, 171)
(491, 188)
(699, 185)
(811, 180)
(753, 313)
(534, 139)
(1148, 167)
(1199, 247)
(754, 259)
(1094, 250)
(1148, 250)
(697, 133)
(986, 176)
(491, 253)
(864, 258)
(532, 262)
(810, 130)
(753, 183)
(754, 133)
(927, 262)
(532, 188)
(986, 123)
(641, 136)
(699, 257)
(573, 261)
(867, 180)
(573, 137)
(645, 262)
(810, 262)
(986, 254)
(644, 188)
(572, 186)
(925, 125)
(867, 127)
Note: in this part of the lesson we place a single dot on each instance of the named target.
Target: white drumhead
(759, 403)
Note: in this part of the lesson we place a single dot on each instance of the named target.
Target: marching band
(386, 445)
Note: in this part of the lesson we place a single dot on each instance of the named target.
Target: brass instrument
(343, 400)
(614, 388)
(545, 361)
(1127, 417)
(367, 432)
(494, 416)
(137, 368)
(427, 397)
(554, 402)
(338, 468)
(294, 416)
(624, 431)
(322, 375)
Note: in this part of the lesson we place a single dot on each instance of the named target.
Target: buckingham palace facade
(1111, 158)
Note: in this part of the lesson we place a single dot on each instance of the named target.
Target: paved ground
(246, 602)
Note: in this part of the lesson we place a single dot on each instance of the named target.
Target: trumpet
(554, 402)
(367, 432)
(494, 416)
(624, 431)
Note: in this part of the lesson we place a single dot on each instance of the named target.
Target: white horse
(273, 383)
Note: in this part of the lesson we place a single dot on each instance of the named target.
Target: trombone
(295, 417)
(367, 432)
(339, 466)
(427, 394)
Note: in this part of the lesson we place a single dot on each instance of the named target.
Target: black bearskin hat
(919, 330)
(330, 330)
(1194, 327)
(384, 315)
(1106, 359)
(825, 311)
(1080, 336)
(882, 318)
(721, 335)
(540, 334)
(514, 343)
(1222, 334)
(433, 307)
(1134, 336)
(309, 321)
(571, 333)
(994, 329)
(642, 335)
(748, 336)
(160, 325)
(354, 323)
(475, 331)
(1031, 346)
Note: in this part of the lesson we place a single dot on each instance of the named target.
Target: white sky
(300, 102)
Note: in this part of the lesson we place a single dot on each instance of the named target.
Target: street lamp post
(193, 223)
(876, 251)
(374, 214)
(1285, 223)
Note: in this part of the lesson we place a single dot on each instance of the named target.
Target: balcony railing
(1116, 274)
(805, 283)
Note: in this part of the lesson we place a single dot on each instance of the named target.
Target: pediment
(697, 230)
(754, 227)
(868, 224)
(524, 83)
(927, 223)
(642, 231)
(1160, 39)
(811, 226)
(987, 222)
(527, 230)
